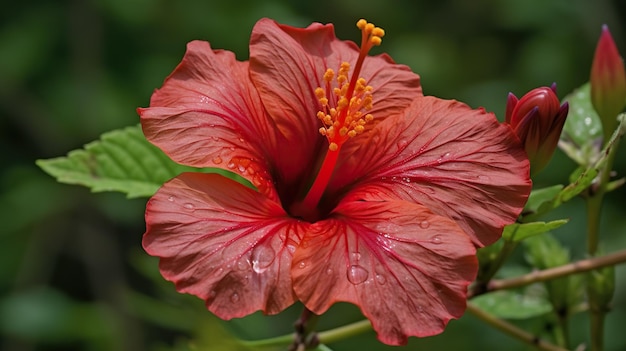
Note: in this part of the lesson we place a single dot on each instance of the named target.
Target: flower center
(344, 102)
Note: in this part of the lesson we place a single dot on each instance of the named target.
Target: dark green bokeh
(73, 275)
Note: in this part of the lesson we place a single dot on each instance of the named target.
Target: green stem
(325, 337)
(597, 330)
(561, 331)
(512, 330)
(343, 332)
(594, 209)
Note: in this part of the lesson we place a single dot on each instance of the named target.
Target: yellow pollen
(345, 97)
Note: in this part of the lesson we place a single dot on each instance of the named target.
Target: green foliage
(581, 139)
(122, 160)
(527, 303)
(519, 231)
(544, 252)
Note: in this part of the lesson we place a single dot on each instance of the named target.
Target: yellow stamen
(345, 96)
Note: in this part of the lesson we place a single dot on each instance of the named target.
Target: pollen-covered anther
(345, 97)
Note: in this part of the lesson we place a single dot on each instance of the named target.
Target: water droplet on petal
(217, 160)
(424, 224)
(262, 258)
(234, 298)
(302, 264)
(357, 274)
(170, 199)
(446, 155)
(231, 165)
(329, 271)
(381, 279)
(243, 264)
(436, 239)
(242, 169)
(402, 144)
(355, 256)
(189, 206)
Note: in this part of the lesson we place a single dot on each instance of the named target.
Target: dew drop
(217, 160)
(436, 239)
(302, 265)
(234, 298)
(170, 199)
(355, 256)
(231, 165)
(446, 155)
(402, 144)
(329, 271)
(291, 248)
(424, 224)
(406, 179)
(242, 169)
(189, 206)
(243, 264)
(357, 274)
(262, 258)
(381, 279)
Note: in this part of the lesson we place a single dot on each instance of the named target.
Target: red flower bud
(608, 82)
(537, 119)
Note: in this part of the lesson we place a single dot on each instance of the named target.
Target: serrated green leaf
(519, 231)
(539, 196)
(122, 160)
(584, 180)
(514, 304)
(582, 134)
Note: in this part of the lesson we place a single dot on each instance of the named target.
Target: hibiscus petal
(405, 267)
(222, 242)
(457, 161)
(208, 114)
(287, 65)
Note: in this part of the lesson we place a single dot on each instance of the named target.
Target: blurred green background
(73, 275)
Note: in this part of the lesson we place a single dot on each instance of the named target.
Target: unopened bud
(537, 119)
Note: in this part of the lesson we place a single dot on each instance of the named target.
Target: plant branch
(557, 272)
(512, 330)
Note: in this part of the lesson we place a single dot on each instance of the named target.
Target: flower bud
(537, 119)
(601, 287)
(608, 82)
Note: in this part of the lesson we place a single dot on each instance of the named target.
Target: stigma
(346, 98)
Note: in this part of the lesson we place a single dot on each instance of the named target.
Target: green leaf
(514, 304)
(539, 196)
(582, 134)
(544, 252)
(519, 231)
(122, 160)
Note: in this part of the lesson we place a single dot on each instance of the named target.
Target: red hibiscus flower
(366, 191)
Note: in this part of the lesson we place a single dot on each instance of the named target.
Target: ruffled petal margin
(208, 114)
(406, 268)
(457, 161)
(224, 243)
